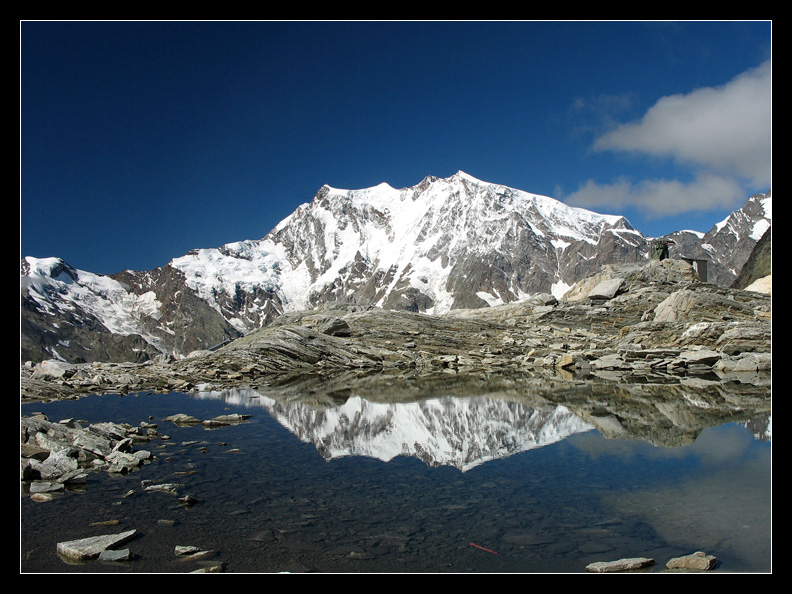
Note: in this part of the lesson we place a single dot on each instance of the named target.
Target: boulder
(330, 325)
(698, 561)
(53, 369)
(606, 289)
(762, 285)
(688, 305)
(542, 299)
(182, 419)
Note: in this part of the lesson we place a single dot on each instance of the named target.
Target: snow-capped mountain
(446, 243)
(79, 316)
(443, 244)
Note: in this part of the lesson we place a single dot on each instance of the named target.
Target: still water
(475, 484)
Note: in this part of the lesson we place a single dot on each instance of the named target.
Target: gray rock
(188, 500)
(182, 419)
(45, 486)
(628, 564)
(111, 431)
(122, 463)
(331, 325)
(113, 556)
(758, 265)
(92, 547)
(163, 488)
(688, 305)
(59, 462)
(53, 369)
(64, 452)
(747, 362)
(92, 443)
(606, 289)
(698, 561)
(705, 357)
(543, 299)
(222, 420)
(33, 452)
(198, 353)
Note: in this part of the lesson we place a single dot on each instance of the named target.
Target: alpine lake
(427, 475)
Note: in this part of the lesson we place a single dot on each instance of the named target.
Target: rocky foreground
(655, 318)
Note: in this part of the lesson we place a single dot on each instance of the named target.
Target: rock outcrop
(637, 319)
(57, 455)
(758, 268)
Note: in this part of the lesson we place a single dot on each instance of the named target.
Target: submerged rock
(113, 556)
(182, 419)
(222, 420)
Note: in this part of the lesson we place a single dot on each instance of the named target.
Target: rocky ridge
(654, 317)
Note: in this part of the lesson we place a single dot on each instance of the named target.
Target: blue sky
(142, 140)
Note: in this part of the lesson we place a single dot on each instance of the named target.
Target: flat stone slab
(115, 556)
(606, 289)
(92, 547)
(628, 564)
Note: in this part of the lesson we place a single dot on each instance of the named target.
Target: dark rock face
(71, 333)
(54, 325)
(759, 264)
(185, 323)
(77, 341)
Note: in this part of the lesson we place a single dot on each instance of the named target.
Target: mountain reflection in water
(464, 420)
(448, 431)
(511, 464)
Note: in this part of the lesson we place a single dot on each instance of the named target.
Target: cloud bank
(722, 134)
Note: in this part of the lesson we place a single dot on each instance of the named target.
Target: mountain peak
(328, 189)
(466, 176)
(43, 269)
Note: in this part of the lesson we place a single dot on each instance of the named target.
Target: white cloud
(722, 133)
(657, 198)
